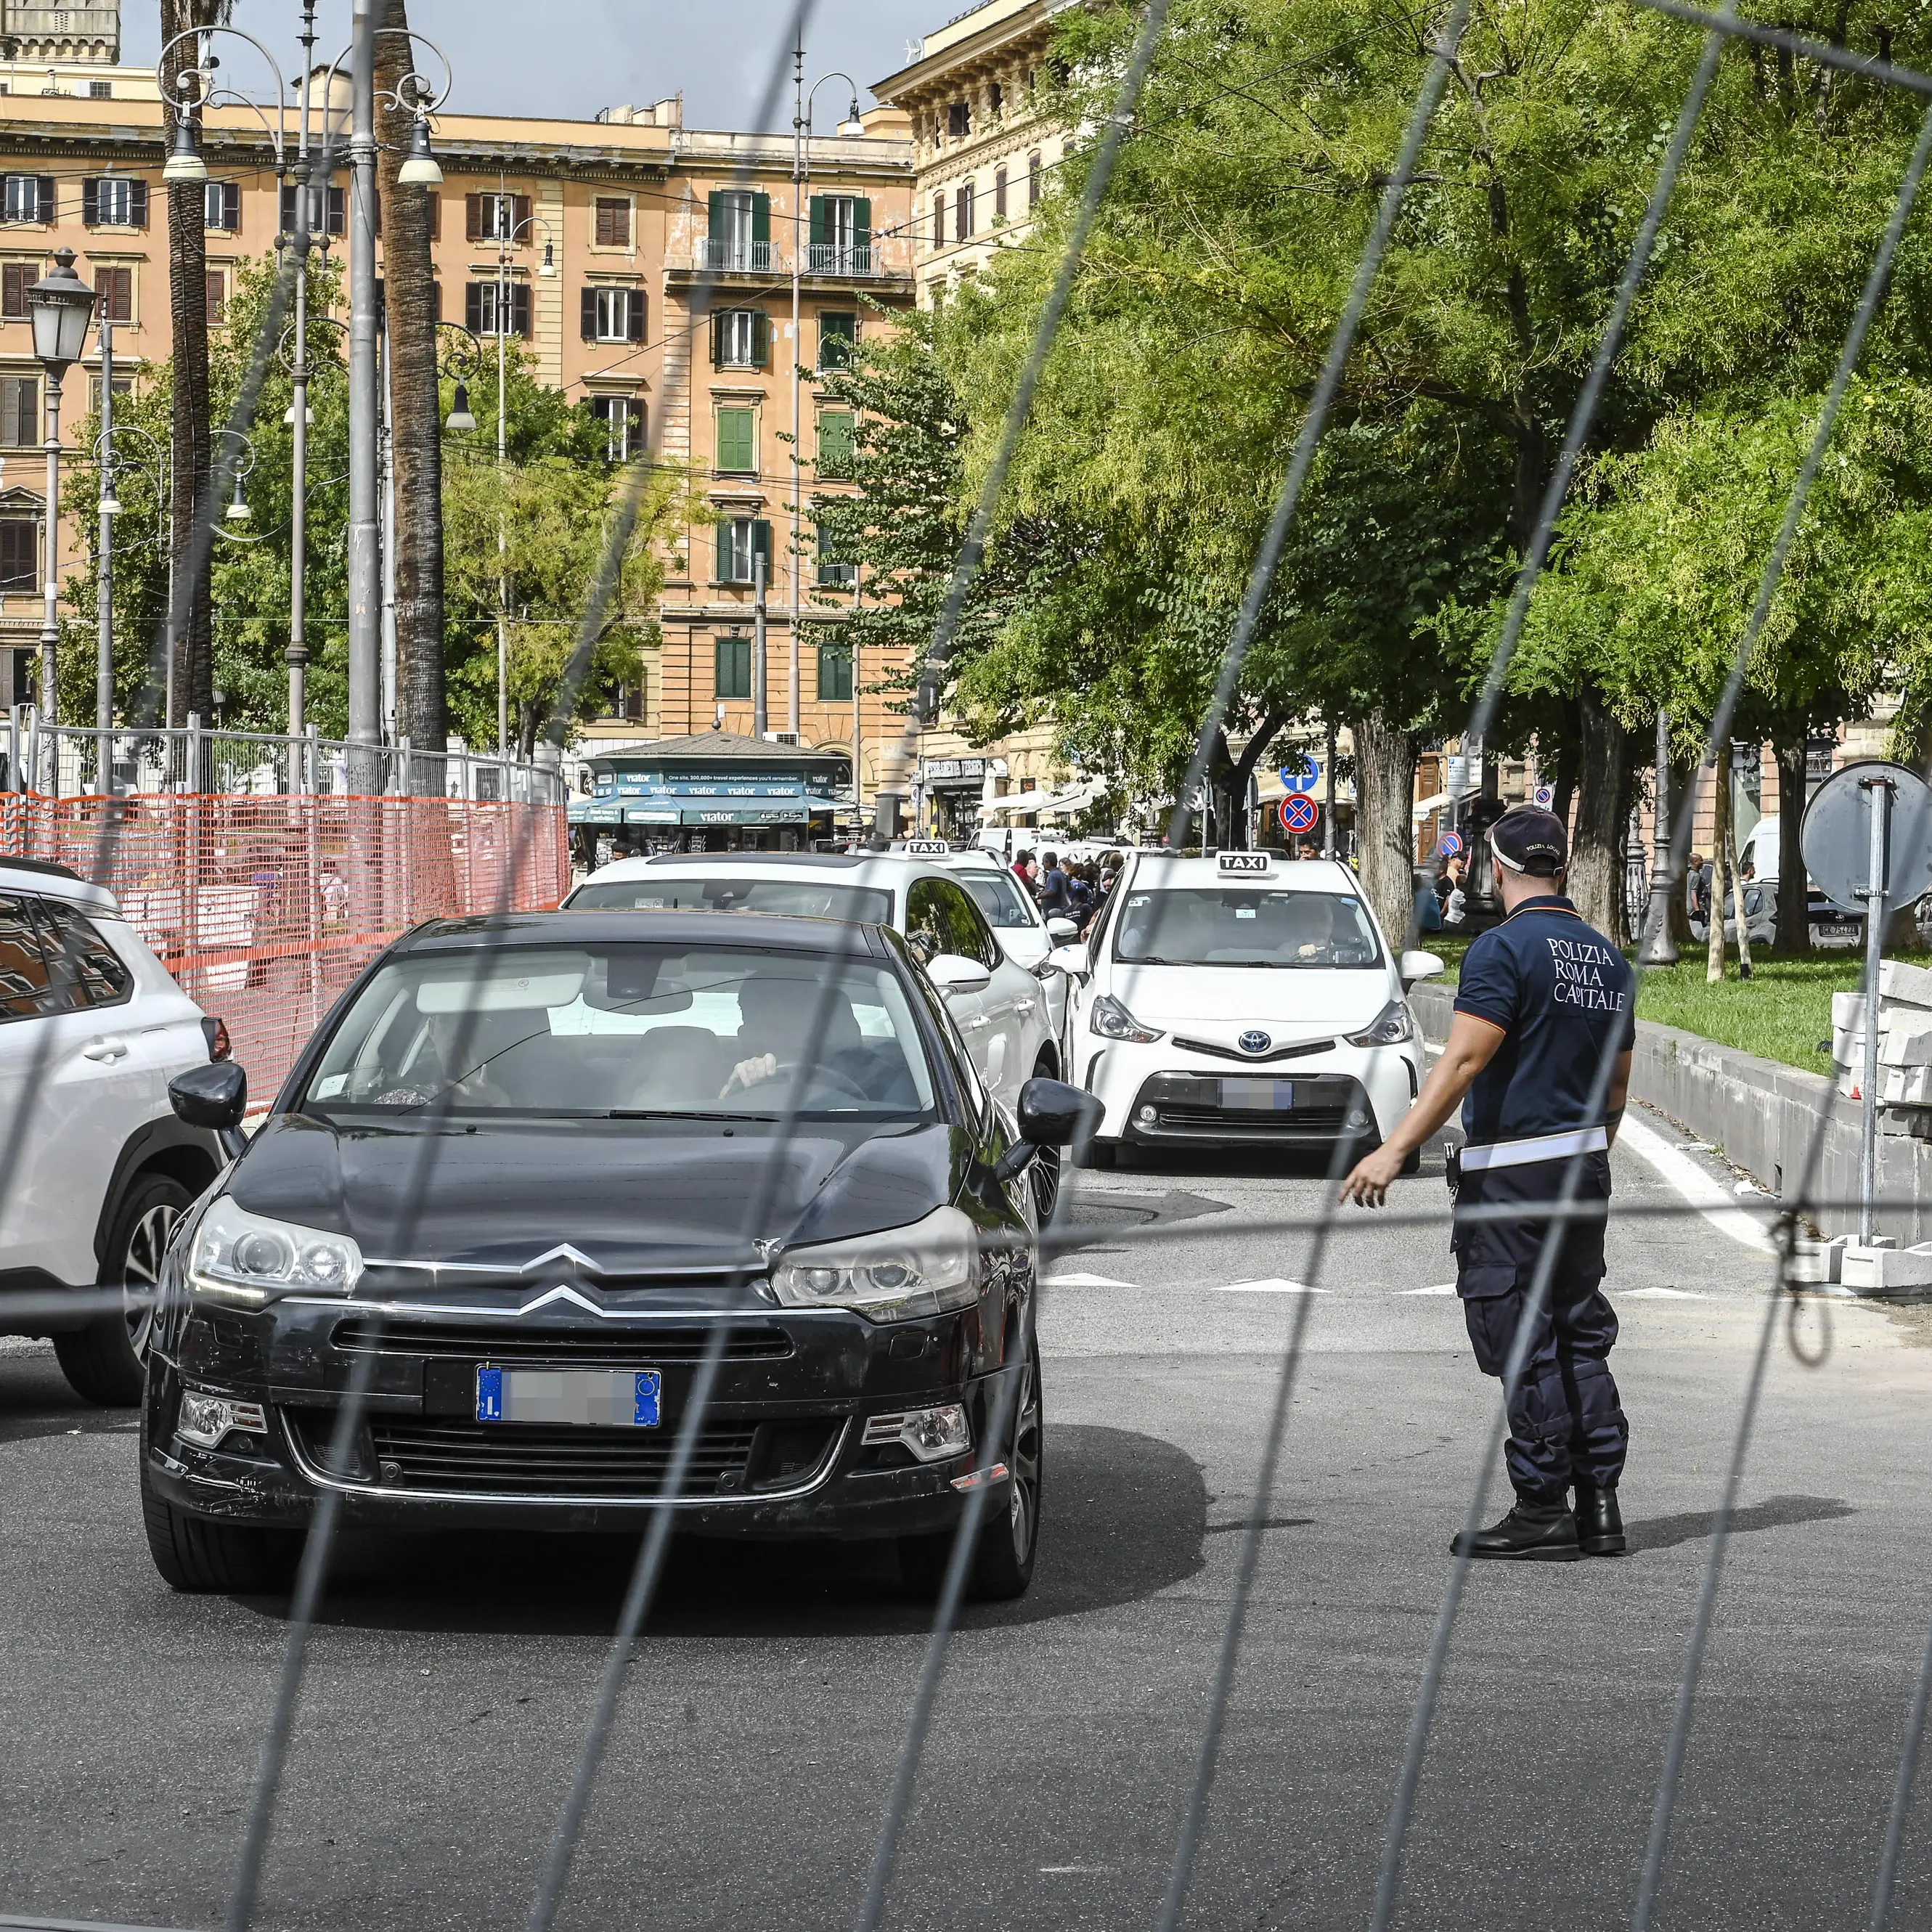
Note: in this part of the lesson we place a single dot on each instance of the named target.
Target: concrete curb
(1761, 1115)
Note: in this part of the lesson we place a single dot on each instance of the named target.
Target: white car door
(1013, 1004)
(73, 1085)
(935, 923)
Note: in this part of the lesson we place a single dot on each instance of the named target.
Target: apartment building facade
(588, 243)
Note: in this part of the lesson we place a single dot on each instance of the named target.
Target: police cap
(1527, 839)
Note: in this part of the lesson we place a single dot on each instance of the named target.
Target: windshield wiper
(679, 1113)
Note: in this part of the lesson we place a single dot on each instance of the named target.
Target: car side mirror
(215, 1097)
(953, 972)
(1073, 961)
(1052, 1113)
(1416, 967)
(1062, 931)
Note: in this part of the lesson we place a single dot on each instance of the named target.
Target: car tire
(200, 1558)
(1048, 1164)
(106, 1361)
(1101, 1155)
(1413, 1164)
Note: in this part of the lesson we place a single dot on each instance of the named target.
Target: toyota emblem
(1254, 1042)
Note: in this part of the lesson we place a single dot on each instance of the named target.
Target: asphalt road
(451, 1677)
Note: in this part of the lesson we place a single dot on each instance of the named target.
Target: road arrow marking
(1274, 1285)
(1084, 1281)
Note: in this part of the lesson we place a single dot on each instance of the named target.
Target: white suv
(94, 1168)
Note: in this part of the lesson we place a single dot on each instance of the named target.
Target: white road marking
(1661, 1295)
(1696, 1186)
(1439, 1287)
(1274, 1285)
(1084, 1281)
(1055, 1871)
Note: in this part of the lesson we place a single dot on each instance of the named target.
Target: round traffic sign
(1299, 772)
(1449, 844)
(1836, 836)
(1545, 796)
(1298, 813)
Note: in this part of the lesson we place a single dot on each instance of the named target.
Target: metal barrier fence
(265, 907)
(71, 761)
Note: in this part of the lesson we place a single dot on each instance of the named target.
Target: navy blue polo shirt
(1559, 990)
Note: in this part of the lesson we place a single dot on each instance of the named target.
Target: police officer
(1542, 996)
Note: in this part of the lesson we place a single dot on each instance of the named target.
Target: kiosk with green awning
(714, 792)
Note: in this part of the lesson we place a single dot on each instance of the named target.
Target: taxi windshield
(805, 898)
(1244, 926)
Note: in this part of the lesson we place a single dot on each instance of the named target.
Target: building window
(740, 231)
(613, 221)
(939, 221)
(835, 573)
(485, 312)
(623, 420)
(738, 443)
(19, 554)
(612, 315)
(19, 411)
(217, 297)
(734, 672)
(962, 211)
(842, 236)
(100, 90)
(1032, 179)
(999, 194)
(835, 673)
(27, 198)
(124, 386)
(741, 540)
(497, 218)
(741, 338)
(112, 201)
(328, 210)
(958, 119)
(223, 211)
(836, 441)
(114, 293)
(16, 278)
(838, 336)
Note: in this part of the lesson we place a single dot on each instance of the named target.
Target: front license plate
(1271, 1096)
(591, 1398)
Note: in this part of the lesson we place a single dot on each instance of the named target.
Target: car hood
(1292, 1003)
(629, 1197)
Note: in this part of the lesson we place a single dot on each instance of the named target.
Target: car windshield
(1000, 897)
(628, 1031)
(1244, 926)
(805, 898)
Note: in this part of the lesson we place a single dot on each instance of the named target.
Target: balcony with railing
(881, 260)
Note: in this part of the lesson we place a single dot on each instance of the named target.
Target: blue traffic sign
(1545, 796)
(1298, 813)
(1299, 773)
(1449, 844)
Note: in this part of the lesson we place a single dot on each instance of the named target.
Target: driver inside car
(777, 1019)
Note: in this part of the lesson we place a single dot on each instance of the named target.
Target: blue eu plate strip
(650, 1388)
(489, 1395)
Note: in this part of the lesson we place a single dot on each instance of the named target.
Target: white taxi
(1241, 998)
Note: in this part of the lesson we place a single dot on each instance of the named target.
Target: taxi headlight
(927, 1268)
(1392, 1026)
(1111, 1020)
(239, 1256)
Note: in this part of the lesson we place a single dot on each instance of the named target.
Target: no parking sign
(1298, 813)
(1545, 796)
(1449, 844)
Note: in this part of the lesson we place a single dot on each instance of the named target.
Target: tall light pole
(62, 305)
(1660, 943)
(104, 569)
(801, 171)
(365, 586)
(297, 654)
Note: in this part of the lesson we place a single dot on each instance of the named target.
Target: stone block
(1904, 984)
(1886, 1271)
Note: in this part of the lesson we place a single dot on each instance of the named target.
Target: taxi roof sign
(924, 848)
(1247, 862)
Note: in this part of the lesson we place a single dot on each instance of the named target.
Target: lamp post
(61, 305)
(296, 656)
(802, 97)
(103, 569)
(1660, 943)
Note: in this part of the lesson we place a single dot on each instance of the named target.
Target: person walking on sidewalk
(1542, 995)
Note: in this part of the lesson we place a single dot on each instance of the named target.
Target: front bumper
(1159, 1094)
(780, 1452)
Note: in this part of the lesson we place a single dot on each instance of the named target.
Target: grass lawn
(1781, 1012)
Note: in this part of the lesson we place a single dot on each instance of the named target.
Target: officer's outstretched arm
(1472, 1044)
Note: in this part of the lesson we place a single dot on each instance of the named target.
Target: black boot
(1532, 1532)
(1599, 1523)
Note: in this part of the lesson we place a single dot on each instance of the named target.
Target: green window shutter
(761, 221)
(818, 237)
(834, 443)
(718, 338)
(733, 674)
(835, 673)
(717, 214)
(724, 571)
(761, 544)
(862, 223)
(761, 340)
(737, 441)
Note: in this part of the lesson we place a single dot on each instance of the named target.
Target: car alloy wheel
(141, 1272)
(1023, 1491)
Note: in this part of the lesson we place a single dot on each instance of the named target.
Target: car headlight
(247, 1258)
(1111, 1020)
(927, 1268)
(1392, 1026)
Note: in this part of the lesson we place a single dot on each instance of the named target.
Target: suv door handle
(111, 1048)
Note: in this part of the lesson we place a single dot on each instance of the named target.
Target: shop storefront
(952, 793)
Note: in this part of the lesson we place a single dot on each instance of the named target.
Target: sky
(599, 53)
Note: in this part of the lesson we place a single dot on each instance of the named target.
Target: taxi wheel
(1413, 1164)
(1099, 1155)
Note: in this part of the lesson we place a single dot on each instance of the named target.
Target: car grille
(1192, 1104)
(1298, 1052)
(1246, 1121)
(607, 1345)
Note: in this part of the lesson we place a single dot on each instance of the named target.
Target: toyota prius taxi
(1244, 999)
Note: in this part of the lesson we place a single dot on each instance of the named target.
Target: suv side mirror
(1052, 1113)
(1073, 961)
(1062, 931)
(1414, 966)
(215, 1096)
(954, 973)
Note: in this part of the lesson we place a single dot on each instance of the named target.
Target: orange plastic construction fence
(265, 907)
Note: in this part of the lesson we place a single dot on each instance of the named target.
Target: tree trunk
(415, 417)
(191, 440)
(1794, 913)
(1683, 783)
(1720, 840)
(1236, 837)
(1384, 797)
(1596, 884)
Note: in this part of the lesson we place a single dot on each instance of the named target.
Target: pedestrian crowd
(1072, 890)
